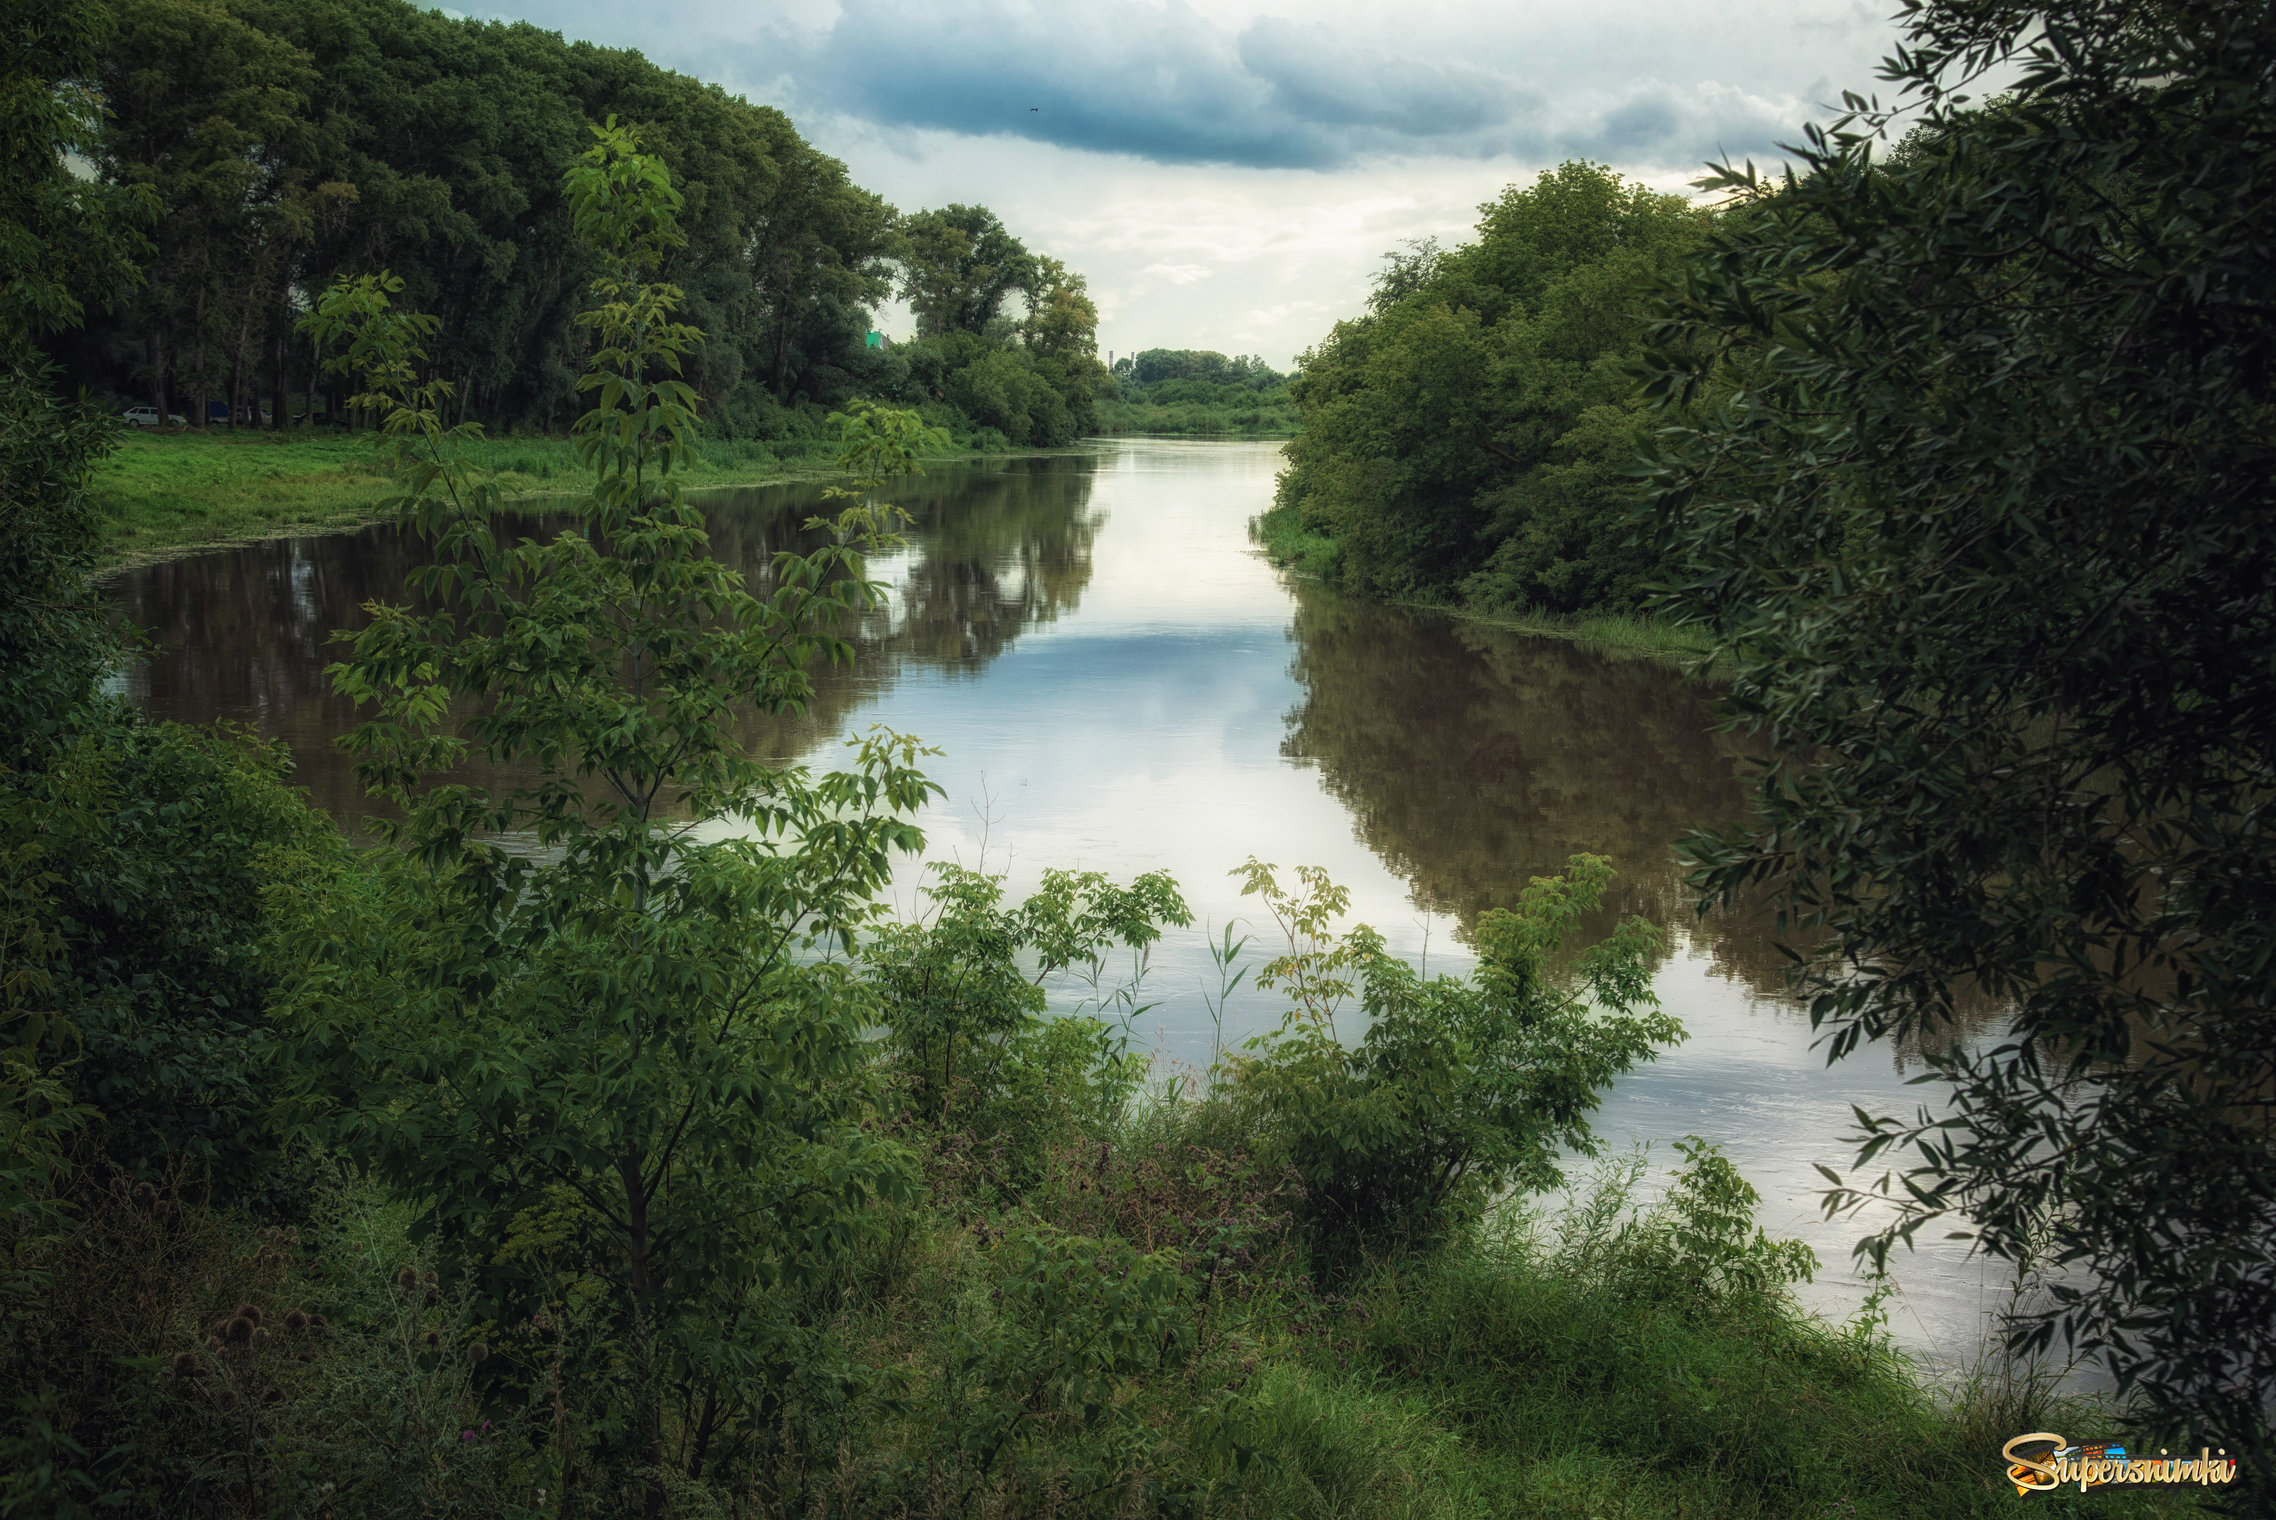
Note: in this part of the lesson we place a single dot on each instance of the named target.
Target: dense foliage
(600, 1145)
(1196, 391)
(1458, 1089)
(1470, 437)
(1981, 513)
(283, 144)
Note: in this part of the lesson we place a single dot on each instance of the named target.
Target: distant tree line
(284, 144)
(1154, 365)
(1197, 391)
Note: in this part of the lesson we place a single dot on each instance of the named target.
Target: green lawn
(166, 493)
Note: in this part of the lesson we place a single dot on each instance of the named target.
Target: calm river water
(1117, 681)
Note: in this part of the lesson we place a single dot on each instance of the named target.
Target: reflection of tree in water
(994, 555)
(990, 554)
(1474, 759)
(244, 633)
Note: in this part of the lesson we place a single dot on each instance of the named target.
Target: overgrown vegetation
(1470, 439)
(1187, 392)
(598, 1144)
(1978, 504)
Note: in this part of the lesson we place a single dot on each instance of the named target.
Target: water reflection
(1474, 759)
(1117, 681)
(244, 634)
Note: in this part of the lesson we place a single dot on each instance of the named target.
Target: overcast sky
(1229, 178)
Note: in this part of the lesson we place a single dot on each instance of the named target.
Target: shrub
(963, 1003)
(1459, 1088)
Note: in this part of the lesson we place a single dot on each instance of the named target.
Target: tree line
(276, 146)
(1197, 391)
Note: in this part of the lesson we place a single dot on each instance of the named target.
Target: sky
(1230, 178)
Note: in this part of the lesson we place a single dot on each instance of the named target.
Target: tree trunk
(648, 1412)
(782, 350)
(278, 379)
(197, 366)
(155, 347)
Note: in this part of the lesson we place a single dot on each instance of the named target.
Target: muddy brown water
(1117, 681)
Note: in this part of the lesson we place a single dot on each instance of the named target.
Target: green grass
(171, 493)
(1485, 1383)
(1496, 1378)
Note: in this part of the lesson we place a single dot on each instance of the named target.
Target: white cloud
(1230, 178)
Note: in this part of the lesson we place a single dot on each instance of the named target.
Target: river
(1118, 681)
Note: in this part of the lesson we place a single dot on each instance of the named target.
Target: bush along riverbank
(1288, 543)
(1066, 1290)
(1468, 442)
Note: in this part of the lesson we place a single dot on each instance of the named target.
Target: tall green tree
(210, 116)
(1062, 320)
(959, 266)
(817, 261)
(1469, 437)
(65, 241)
(1980, 511)
(625, 1058)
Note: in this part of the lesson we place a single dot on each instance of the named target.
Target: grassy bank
(1525, 1370)
(1285, 540)
(169, 493)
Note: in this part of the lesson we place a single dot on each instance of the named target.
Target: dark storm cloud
(1168, 84)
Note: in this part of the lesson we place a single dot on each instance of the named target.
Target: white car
(147, 416)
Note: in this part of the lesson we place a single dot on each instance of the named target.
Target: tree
(1468, 436)
(1062, 322)
(630, 1060)
(959, 267)
(818, 256)
(63, 240)
(1980, 511)
(210, 118)
(962, 998)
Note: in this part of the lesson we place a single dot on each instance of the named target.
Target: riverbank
(1286, 542)
(168, 494)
